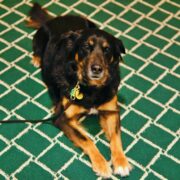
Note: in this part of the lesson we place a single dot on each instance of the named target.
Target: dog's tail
(37, 16)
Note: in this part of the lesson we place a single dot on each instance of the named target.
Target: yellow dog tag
(75, 93)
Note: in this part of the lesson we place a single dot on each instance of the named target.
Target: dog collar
(75, 92)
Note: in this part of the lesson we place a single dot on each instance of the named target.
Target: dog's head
(97, 55)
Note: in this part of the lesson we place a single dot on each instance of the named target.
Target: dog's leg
(72, 129)
(110, 123)
(40, 41)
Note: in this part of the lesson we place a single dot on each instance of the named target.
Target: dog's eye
(85, 49)
(88, 47)
(106, 50)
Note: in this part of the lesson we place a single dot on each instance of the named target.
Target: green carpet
(148, 95)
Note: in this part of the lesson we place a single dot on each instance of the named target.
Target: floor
(148, 94)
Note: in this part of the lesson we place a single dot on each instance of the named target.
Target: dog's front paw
(102, 167)
(122, 167)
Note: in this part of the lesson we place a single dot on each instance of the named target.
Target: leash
(51, 119)
(29, 121)
(74, 94)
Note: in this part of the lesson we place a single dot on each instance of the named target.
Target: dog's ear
(120, 49)
(71, 69)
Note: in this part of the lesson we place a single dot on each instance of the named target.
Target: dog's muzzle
(96, 72)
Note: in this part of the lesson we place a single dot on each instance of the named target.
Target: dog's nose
(96, 69)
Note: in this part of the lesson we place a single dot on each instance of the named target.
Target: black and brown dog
(80, 65)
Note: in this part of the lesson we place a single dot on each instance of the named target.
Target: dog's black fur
(58, 40)
(73, 51)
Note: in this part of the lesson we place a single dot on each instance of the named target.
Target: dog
(80, 66)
